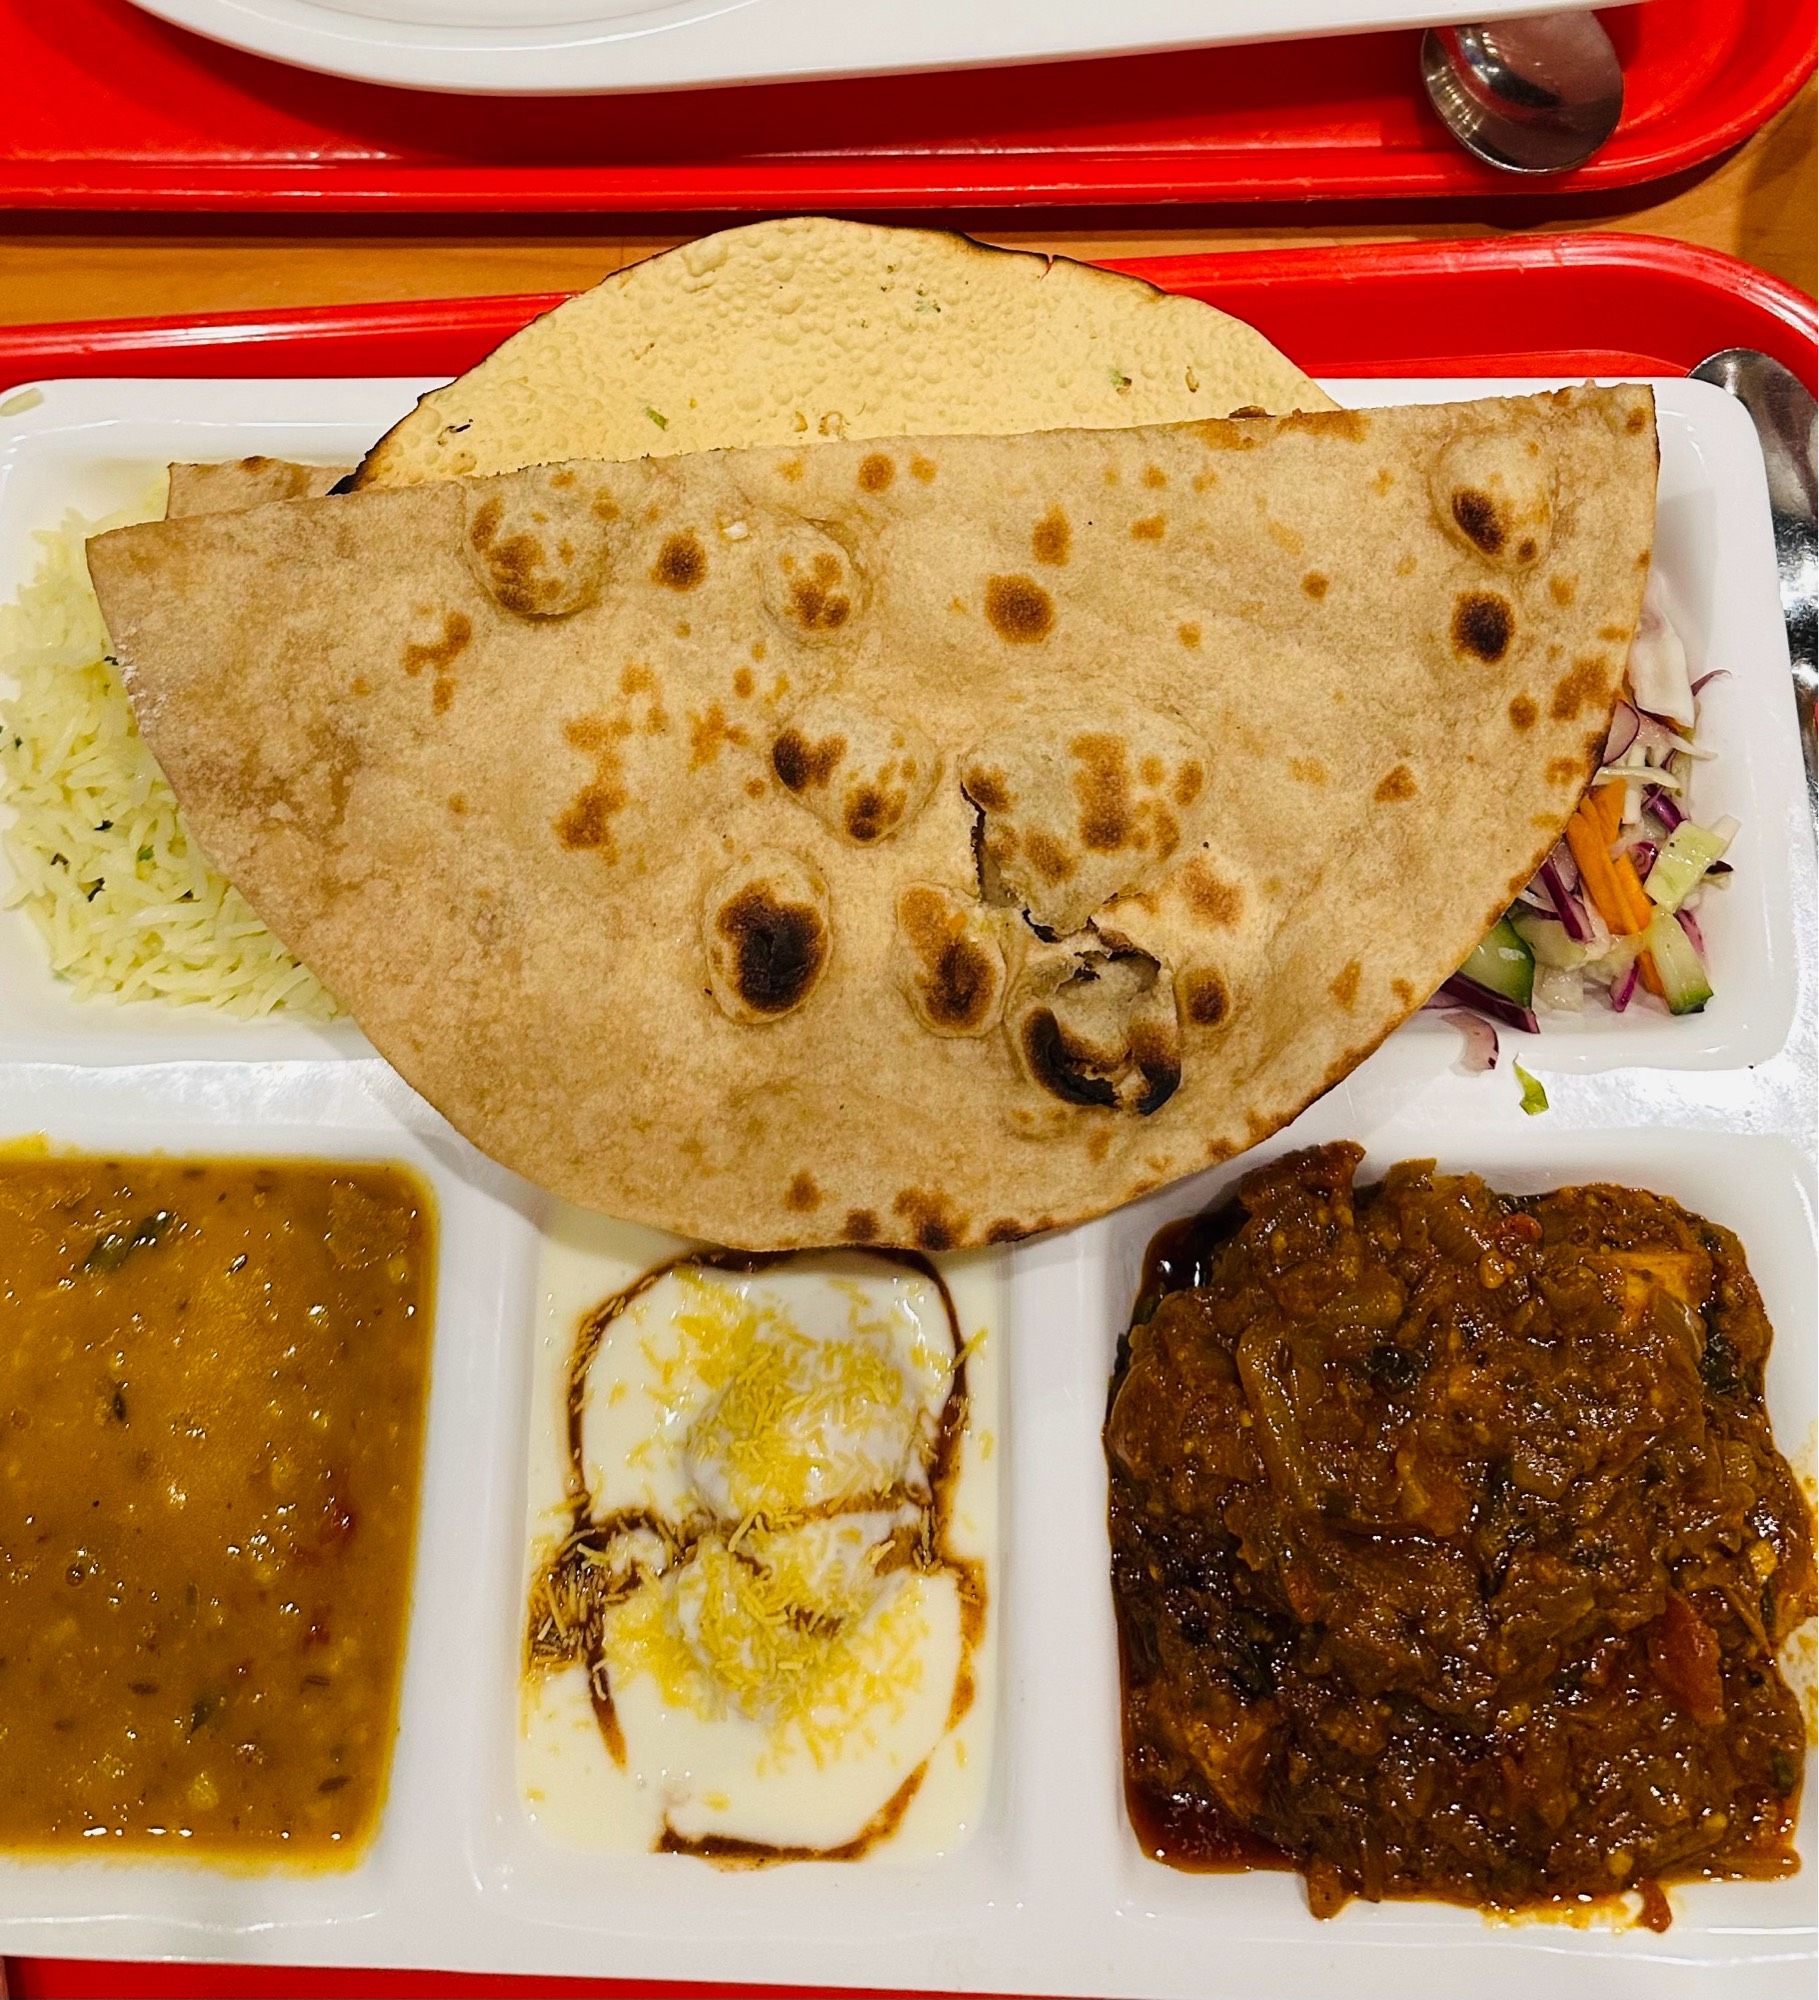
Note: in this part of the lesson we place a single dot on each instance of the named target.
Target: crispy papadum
(803, 328)
(924, 842)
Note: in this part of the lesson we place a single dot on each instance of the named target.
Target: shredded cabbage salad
(1613, 913)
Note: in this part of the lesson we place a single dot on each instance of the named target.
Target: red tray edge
(334, 336)
(977, 181)
(1638, 254)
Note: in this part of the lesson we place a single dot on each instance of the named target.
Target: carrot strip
(1610, 798)
(1611, 881)
(1640, 910)
(1642, 913)
(1590, 849)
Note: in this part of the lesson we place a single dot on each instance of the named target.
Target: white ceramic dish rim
(1051, 1894)
(568, 46)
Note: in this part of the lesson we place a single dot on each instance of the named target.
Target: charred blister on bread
(950, 960)
(681, 562)
(930, 1218)
(1052, 537)
(767, 935)
(812, 586)
(1078, 808)
(585, 824)
(1484, 626)
(1018, 609)
(1494, 495)
(1204, 997)
(439, 656)
(860, 773)
(1097, 1027)
(538, 542)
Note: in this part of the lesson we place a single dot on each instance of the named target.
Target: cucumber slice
(1504, 963)
(1684, 983)
(1682, 863)
(1547, 940)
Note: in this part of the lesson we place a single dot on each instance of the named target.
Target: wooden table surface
(1759, 204)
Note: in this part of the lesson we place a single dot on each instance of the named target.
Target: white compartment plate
(531, 46)
(1051, 1894)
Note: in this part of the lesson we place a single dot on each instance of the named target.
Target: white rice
(128, 908)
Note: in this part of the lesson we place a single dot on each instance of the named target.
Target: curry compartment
(213, 1376)
(1451, 1548)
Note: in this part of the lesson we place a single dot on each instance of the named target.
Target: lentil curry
(1451, 1548)
(212, 1386)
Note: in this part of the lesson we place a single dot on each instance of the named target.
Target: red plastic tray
(107, 108)
(1520, 306)
(1549, 306)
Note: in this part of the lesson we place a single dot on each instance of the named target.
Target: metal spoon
(1535, 94)
(1787, 424)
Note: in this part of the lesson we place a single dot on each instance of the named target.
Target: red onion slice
(1624, 990)
(1566, 906)
(1664, 806)
(1626, 721)
(1468, 993)
(1480, 1051)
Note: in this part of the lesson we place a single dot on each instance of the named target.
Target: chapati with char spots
(636, 881)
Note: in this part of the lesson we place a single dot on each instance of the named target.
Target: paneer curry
(213, 1377)
(1451, 1547)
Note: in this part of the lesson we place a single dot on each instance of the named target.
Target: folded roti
(922, 843)
(245, 482)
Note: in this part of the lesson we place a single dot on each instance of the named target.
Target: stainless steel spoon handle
(1785, 417)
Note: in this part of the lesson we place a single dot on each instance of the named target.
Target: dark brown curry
(1450, 1546)
(212, 1386)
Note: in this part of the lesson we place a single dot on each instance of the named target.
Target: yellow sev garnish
(808, 1453)
(766, 1632)
(788, 1422)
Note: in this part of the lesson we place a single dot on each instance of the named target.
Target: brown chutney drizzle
(582, 1577)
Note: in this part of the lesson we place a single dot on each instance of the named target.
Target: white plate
(530, 46)
(1050, 1894)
